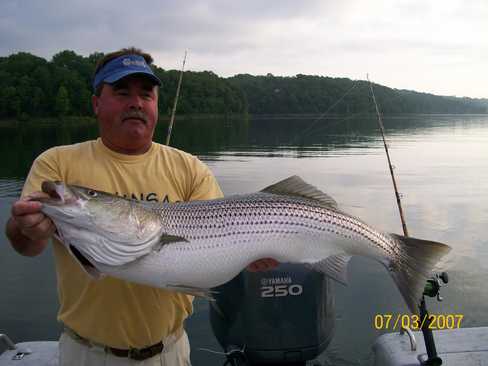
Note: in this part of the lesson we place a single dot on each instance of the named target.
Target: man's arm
(28, 229)
(264, 264)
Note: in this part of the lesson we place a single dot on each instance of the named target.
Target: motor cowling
(284, 315)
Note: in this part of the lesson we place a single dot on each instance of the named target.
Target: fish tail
(417, 260)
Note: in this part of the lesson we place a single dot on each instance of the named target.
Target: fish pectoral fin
(334, 266)
(194, 291)
(296, 186)
(168, 239)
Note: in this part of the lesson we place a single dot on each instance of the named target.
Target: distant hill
(317, 94)
(31, 86)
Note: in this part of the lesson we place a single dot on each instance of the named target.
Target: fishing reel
(434, 284)
(431, 289)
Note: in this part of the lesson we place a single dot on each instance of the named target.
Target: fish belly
(206, 264)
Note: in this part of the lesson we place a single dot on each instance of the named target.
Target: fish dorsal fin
(297, 187)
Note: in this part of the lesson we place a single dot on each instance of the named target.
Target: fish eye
(92, 193)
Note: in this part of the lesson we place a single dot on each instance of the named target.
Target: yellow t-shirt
(111, 311)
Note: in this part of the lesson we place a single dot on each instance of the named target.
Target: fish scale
(264, 209)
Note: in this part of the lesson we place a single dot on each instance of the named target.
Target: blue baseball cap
(122, 66)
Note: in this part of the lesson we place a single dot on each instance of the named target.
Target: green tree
(12, 102)
(30, 85)
(62, 105)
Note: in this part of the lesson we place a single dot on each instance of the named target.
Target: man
(110, 321)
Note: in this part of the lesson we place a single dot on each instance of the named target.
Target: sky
(432, 46)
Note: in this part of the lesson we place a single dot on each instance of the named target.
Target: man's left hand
(264, 264)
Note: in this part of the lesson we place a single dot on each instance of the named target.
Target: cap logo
(129, 62)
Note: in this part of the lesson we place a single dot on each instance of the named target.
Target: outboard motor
(282, 316)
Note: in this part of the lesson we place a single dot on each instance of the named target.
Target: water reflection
(10, 187)
(20, 143)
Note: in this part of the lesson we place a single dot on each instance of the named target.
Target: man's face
(127, 112)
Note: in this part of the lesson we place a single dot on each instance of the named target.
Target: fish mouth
(59, 193)
(52, 189)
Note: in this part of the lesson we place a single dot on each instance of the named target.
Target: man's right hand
(28, 229)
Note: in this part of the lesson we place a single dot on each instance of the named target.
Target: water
(442, 172)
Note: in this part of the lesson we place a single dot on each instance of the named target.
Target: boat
(286, 316)
(460, 346)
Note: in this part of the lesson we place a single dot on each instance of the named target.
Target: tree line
(31, 86)
(318, 94)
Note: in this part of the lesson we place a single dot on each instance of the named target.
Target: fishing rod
(382, 129)
(433, 285)
(170, 127)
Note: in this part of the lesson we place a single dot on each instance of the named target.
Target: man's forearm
(21, 243)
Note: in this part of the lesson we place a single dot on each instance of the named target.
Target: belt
(138, 354)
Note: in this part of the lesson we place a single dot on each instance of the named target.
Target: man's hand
(264, 264)
(28, 228)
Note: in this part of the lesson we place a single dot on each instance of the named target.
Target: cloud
(436, 46)
(48, 26)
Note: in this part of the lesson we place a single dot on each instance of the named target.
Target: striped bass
(195, 246)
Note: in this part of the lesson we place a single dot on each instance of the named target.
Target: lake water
(441, 167)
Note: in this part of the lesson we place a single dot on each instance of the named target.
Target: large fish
(194, 246)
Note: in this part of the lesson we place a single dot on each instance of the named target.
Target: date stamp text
(415, 322)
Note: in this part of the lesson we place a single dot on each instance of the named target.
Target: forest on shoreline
(32, 87)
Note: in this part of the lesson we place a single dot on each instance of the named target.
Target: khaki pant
(73, 353)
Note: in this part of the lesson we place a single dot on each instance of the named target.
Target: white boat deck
(464, 346)
(31, 354)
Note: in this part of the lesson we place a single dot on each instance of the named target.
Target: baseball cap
(122, 66)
